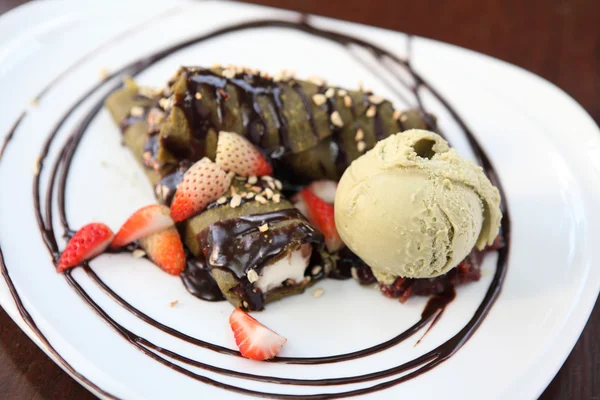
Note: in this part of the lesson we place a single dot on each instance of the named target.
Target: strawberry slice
(165, 249)
(255, 341)
(320, 213)
(91, 240)
(324, 189)
(202, 184)
(144, 222)
(235, 153)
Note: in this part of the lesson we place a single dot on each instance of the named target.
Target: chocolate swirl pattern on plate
(56, 193)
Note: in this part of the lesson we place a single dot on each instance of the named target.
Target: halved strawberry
(91, 240)
(254, 340)
(144, 222)
(324, 189)
(202, 184)
(235, 153)
(321, 214)
(165, 249)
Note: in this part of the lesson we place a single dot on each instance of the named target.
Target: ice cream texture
(412, 207)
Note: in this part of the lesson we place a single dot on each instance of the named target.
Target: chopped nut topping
(103, 73)
(198, 96)
(138, 253)
(361, 146)
(316, 80)
(263, 228)
(278, 184)
(271, 184)
(361, 87)
(376, 99)
(173, 303)
(250, 195)
(233, 190)
(252, 179)
(319, 99)
(396, 114)
(256, 189)
(371, 111)
(354, 273)
(336, 119)
(404, 118)
(228, 73)
(252, 276)
(318, 292)
(266, 178)
(222, 200)
(236, 200)
(136, 111)
(316, 270)
(240, 178)
(166, 103)
(342, 93)
(269, 193)
(245, 304)
(284, 75)
(260, 199)
(155, 117)
(277, 198)
(215, 66)
(330, 93)
(360, 135)
(265, 75)
(348, 101)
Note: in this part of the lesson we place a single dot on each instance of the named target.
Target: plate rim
(11, 309)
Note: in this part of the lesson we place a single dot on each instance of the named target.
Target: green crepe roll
(309, 130)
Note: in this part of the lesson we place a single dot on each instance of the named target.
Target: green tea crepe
(308, 129)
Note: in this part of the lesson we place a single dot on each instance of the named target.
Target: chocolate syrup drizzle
(435, 306)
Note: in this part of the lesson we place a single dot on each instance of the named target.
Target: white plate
(544, 146)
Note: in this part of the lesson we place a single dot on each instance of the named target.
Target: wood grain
(556, 39)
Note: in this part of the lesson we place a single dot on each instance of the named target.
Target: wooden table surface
(557, 39)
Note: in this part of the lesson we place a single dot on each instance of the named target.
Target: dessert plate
(124, 329)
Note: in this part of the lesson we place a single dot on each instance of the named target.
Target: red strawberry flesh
(255, 341)
(165, 249)
(88, 242)
(321, 214)
(144, 222)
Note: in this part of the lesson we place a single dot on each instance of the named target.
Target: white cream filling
(291, 267)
